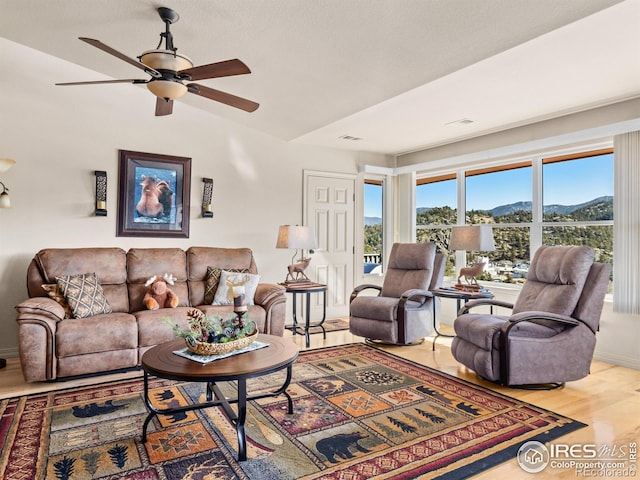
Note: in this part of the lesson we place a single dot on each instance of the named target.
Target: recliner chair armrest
(492, 302)
(533, 317)
(412, 294)
(363, 287)
(541, 317)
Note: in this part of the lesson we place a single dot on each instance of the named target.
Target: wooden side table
(307, 290)
(461, 296)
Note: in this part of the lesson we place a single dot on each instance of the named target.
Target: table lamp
(297, 237)
(472, 238)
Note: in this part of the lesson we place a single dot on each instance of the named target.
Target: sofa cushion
(213, 280)
(228, 280)
(154, 326)
(199, 258)
(143, 263)
(100, 333)
(108, 263)
(84, 294)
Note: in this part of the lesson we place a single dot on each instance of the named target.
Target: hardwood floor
(608, 400)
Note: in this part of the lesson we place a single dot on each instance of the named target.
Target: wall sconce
(207, 193)
(5, 201)
(101, 193)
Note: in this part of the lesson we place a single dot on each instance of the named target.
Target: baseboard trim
(9, 352)
(618, 360)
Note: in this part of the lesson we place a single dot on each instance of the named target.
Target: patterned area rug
(359, 412)
(330, 325)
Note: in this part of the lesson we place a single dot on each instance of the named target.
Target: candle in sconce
(239, 299)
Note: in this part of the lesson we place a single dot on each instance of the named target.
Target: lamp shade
(295, 236)
(5, 201)
(473, 238)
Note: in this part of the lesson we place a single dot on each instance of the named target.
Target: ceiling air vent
(459, 123)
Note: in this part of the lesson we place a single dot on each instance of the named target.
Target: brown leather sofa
(53, 347)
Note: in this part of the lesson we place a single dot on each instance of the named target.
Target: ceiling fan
(171, 72)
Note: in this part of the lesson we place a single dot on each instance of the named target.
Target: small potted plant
(212, 335)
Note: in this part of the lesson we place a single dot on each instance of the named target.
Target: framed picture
(153, 195)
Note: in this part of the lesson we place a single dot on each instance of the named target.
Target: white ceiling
(392, 73)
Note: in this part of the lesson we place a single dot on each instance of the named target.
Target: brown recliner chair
(402, 312)
(550, 336)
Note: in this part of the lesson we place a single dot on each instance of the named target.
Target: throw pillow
(84, 294)
(54, 292)
(213, 279)
(228, 280)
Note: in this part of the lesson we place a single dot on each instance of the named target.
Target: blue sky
(565, 183)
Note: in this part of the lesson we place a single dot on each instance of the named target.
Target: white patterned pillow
(84, 294)
(213, 279)
(228, 280)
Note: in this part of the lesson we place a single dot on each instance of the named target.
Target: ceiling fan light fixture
(167, 89)
(165, 60)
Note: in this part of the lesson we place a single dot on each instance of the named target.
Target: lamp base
(296, 271)
(467, 287)
(298, 283)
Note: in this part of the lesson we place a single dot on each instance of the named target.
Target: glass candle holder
(239, 299)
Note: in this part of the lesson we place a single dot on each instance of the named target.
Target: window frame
(382, 182)
(537, 224)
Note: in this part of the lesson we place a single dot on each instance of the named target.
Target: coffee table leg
(152, 410)
(284, 389)
(242, 416)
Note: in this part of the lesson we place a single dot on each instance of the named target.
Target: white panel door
(329, 210)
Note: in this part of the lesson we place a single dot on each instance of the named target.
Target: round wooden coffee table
(160, 361)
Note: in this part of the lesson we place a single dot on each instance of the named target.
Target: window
(502, 196)
(573, 206)
(578, 201)
(373, 226)
(436, 210)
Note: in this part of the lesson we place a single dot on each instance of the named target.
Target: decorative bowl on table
(207, 335)
(207, 348)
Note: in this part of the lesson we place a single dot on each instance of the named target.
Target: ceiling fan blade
(98, 82)
(226, 68)
(223, 97)
(163, 107)
(121, 56)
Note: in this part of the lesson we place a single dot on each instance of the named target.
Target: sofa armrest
(266, 292)
(271, 297)
(37, 324)
(43, 306)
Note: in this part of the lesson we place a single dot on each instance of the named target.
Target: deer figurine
(470, 273)
(296, 270)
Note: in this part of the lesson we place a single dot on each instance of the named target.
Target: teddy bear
(159, 295)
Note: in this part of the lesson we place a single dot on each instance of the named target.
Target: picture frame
(153, 195)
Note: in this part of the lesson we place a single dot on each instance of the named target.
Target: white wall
(60, 135)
